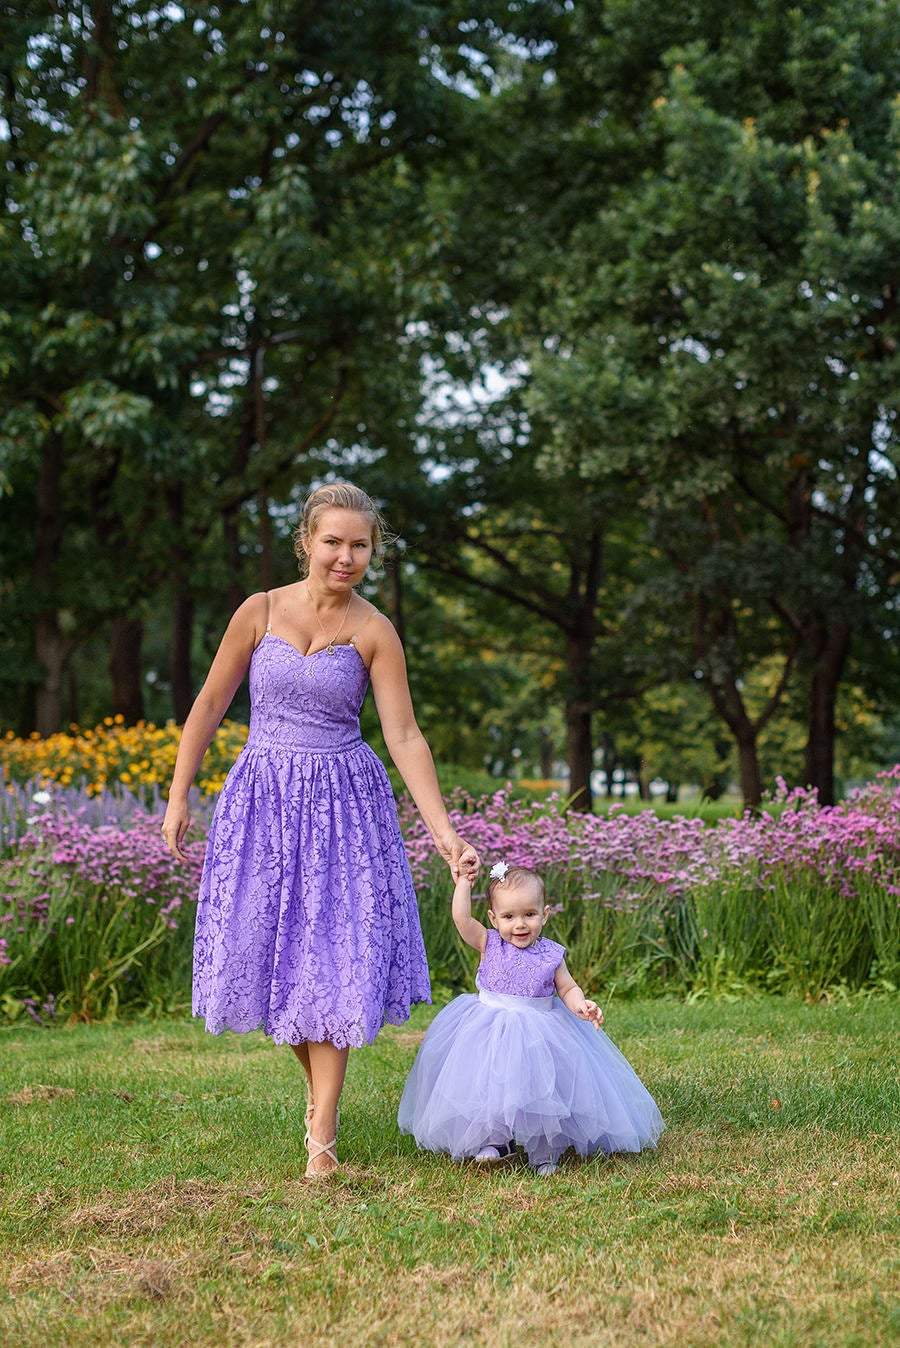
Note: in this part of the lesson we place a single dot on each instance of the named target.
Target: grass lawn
(151, 1194)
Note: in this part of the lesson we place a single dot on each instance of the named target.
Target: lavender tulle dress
(512, 1063)
(307, 925)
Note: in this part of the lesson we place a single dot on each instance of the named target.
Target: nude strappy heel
(317, 1149)
(310, 1111)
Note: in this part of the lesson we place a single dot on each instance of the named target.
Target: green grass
(152, 1195)
(710, 811)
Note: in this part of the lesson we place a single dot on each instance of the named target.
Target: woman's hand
(175, 825)
(459, 855)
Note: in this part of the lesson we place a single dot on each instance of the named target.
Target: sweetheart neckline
(339, 646)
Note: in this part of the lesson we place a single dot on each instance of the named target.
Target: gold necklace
(330, 644)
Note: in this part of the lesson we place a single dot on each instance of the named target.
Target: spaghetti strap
(268, 613)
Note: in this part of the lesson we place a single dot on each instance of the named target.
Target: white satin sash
(506, 1002)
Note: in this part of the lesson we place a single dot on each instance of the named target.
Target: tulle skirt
(494, 1068)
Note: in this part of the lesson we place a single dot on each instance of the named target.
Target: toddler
(524, 1062)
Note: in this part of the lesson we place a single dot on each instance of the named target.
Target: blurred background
(599, 300)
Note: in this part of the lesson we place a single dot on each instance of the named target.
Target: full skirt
(495, 1068)
(307, 924)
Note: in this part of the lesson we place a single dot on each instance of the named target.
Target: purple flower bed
(801, 898)
(22, 806)
(839, 844)
(132, 862)
(94, 915)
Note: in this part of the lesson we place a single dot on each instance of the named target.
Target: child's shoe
(547, 1168)
(495, 1155)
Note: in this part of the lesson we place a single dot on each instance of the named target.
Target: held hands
(459, 855)
(589, 1011)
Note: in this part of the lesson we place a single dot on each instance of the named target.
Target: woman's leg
(328, 1067)
(301, 1052)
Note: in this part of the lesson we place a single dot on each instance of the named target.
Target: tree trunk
(182, 634)
(672, 789)
(231, 530)
(728, 702)
(393, 567)
(182, 609)
(100, 83)
(231, 513)
(715, 646)
(72, 709)
(49, 643)
(607, 760)
(579, 738)
(125, 668)
(50, 649)
(266, 568)
(823, 691)
(748, 761)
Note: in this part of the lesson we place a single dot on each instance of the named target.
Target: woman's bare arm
(228, 668)
(405, 742)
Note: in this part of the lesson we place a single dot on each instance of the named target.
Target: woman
(307, 925)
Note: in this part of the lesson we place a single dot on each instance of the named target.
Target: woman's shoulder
(367, 612)
(377, 631)
(250, 615)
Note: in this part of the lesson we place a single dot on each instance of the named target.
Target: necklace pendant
(330, 649)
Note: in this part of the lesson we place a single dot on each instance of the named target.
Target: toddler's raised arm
(469, 928)
(570, 993)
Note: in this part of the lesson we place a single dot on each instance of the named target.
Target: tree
(212, 234)
(714, 320)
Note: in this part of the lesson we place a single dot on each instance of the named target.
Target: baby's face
(518, 913)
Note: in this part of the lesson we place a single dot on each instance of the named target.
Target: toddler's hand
(469, 866)
(590, 1011)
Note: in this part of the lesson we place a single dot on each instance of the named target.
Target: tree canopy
(599, 300)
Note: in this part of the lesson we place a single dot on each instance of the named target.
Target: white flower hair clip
(498, 870)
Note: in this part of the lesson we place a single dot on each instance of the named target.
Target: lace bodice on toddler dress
(512, 971)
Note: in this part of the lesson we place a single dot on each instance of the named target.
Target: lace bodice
(309, 702)
(520, 973)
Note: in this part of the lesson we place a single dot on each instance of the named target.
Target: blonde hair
(515, 876)
(338, 496)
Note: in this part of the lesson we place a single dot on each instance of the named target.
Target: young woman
(307, 925)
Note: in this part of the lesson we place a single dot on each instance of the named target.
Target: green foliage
(97, 950)
(249, 248)
(700, 287)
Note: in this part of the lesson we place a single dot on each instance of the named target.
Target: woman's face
(341, 548)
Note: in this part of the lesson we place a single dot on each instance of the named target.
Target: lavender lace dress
(513, 1063)
(307, 925)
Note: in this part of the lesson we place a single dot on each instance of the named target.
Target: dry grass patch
(32, 1095)
(710, 1292)
(53, 1269)
(161, 1044)
(95, 1278)
(144, 1212)
(405, 1038)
